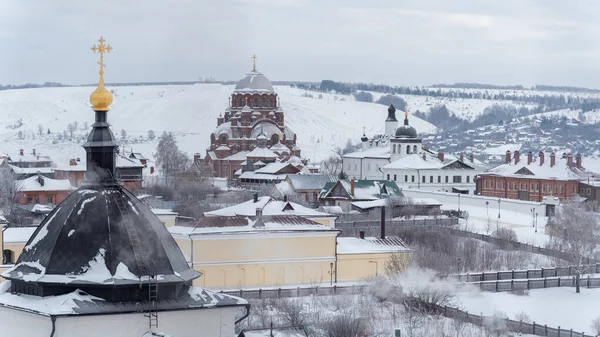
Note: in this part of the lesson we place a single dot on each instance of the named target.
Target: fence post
(588, 281)
(558, 330)
(260, 293)
(545, 282)
(545, 330)
(496, 285)
(542, 272)
(335, 289)
(512, 285)
(534, 327)
(559, 282)
(571, 333)
(445, 311)
(298, 292)
(527, 275)
(513, 274)
(528, 284)
(279, 293)
(497, 275)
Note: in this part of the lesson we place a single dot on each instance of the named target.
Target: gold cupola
(101, 98)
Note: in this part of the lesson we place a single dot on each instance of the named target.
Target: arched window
(256, 101)
(394, 148)
(274, 139)
(415, 149)
(241, 102)
(8, 256)
(264, 102)
(407, 149)
(222, 140)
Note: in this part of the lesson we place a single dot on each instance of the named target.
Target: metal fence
(450, 312)
(372, 227)
(528, 284)
(527, 274)
(509, 324)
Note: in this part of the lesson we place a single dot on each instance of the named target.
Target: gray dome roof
(406, 131)
(254, 82)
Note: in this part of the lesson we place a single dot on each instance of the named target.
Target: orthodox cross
(254, 62)
(101, 48)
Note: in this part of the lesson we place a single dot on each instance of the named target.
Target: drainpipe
(53, 319)
(418, 179)
(336, 255)
(247, 306)
(191, 251)
(3, 230)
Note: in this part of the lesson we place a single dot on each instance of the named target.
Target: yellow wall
(355, 267)
(17, 249)
(167, 220)
(329, 222)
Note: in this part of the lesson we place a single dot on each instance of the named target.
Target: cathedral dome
(406, 131)
(254, 82)
(101, 98)
(100, 239)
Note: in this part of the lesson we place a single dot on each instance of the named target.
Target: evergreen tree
(342, 175)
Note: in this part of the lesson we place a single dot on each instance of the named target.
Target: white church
(399, 155)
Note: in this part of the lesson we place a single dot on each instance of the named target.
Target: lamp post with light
(331, 273)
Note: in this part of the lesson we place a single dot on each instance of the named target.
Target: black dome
(406, 131)
(391, 114)
(99, 237)
(364, 138)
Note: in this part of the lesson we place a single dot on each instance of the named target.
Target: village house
(305, 187)
(546, 175)
(43, 190)
(343, 192)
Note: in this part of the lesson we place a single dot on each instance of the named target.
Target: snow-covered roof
(372, 152)
(414, 161)
(237, 224)
(560, 170)
(501, 149)
(224, 128)
(14, 235)
(363, 189)
(124, 161)
(261, 176)
(273, 168)
(33, 184)
(370, 245)
(30, 170)
(162, 211)
(223, 147)
(28, 158)
(261, 152)
(278, 147)
(284, 188)
(269, 206)
(254, 82)
(280, 332)
(303, 182)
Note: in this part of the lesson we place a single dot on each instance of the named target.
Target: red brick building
(532, 178)
(253, 110)
(43, 190)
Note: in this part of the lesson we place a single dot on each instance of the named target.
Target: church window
(574, 189)
(414, 149)
(439, 179)
(431, 179)
(456, 179)
(537, 187)
(406, 178)
(264, 102)
(394, 177)
(503, 185)
(468, 179)
(394, 148)
(561, 189)
(543, 188)
(580, 192)
(7, 256)
(412, 179)
(241, 102)
(256, 101)
(388, 177)
(549, 188)
(446, 179)
(37, 199)
(407, 149)
(49, 199)
(423, 179)
(588, 192)
(555, 189)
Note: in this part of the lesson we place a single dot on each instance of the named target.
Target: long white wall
(516, 207)
(367, 168)
(427, 180)
(211, 322)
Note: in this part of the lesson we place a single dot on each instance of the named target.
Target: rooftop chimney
(255, 197)
(72, 162)
(383, 222)
(471, 157)
(21, 152)
(196, 157)
(285, 198)
(529, 157)
(541, 158)
(259, 218)
(40, 179)
(33, 152)
(552, 159)
(578, 160)
(441, 156)
(569, 160)
(517, 157)
(462, 157)
(352, 186)
(507, 156)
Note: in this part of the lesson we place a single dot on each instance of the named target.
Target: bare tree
(169, 158)
(85, 125)
(596, 325)
(9, 193)
(71, 129)
(522, 317)
(151, 135)
(345, 325)
(396, 263)
(40, 129)
(575, 232)
(332, 165)
(123, 134)
(292, 312)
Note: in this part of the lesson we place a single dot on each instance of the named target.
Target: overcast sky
(398, 42)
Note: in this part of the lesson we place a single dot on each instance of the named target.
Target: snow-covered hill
(190, 111)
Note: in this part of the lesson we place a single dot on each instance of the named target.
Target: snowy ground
(522, 224)
(552, 306)
(190, 111)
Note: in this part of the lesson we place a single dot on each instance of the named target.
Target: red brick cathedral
(253, 111)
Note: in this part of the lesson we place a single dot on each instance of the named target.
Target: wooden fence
(527, 274)
(372, 227)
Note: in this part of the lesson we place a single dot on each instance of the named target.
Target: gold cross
(101, 48)
(254, 62)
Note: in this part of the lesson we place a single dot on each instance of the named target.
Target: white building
(399, 155)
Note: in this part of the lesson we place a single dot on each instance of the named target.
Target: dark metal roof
(241, 221)
(406, 131)
(391, 114)
(106, 225)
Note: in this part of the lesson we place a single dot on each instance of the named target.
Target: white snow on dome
(254, 82)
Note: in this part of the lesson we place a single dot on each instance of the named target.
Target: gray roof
(309, 181)
(254, 81)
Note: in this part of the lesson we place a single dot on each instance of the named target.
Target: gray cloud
(396, 42)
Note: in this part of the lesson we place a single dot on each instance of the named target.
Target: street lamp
(459, 268)
(376, 267)
(331, 273)
(499, 208)
(536, 222)
(533, 217)
(458, 202)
